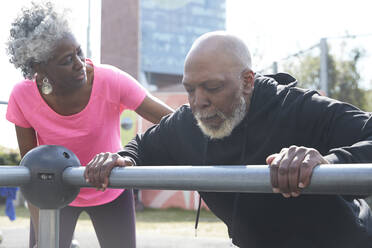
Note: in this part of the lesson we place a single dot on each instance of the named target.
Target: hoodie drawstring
(237, 195)
(199, 204)
(236, 199)
(197, 216)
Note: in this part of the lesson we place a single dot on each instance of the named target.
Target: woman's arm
(26, 141)
(152, 109)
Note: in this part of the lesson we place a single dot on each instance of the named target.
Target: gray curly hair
(34, 34)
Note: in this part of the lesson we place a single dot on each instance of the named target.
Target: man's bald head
(219, 81)
(222, 48)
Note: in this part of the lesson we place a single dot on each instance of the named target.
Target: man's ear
(248, 81)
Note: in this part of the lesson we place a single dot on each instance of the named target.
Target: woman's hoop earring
(46, 87)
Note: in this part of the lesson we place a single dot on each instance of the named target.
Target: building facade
(149, 39)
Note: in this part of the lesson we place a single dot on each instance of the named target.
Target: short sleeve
(132, 93)
(14, 112)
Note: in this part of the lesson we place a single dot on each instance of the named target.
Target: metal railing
(327, 179)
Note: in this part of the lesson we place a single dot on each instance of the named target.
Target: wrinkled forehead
(207, 65)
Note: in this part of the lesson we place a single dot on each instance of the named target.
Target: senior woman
(71, 101)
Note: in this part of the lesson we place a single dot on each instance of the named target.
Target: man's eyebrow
(204, 82)
(217, 80)
(185, 83)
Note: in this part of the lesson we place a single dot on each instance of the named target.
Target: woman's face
(66, 70)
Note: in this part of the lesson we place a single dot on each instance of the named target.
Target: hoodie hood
(266, 88)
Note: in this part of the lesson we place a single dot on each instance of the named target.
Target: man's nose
(201, 99)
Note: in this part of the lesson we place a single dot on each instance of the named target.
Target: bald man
(238, 117)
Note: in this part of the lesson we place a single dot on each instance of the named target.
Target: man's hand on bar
(98, 170)
(291, 169)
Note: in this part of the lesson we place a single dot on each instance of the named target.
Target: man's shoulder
(183, 116)
(184, 111)
(281, 78)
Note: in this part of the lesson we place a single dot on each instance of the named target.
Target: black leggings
(113, 222)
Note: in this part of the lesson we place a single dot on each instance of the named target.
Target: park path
(16, 236)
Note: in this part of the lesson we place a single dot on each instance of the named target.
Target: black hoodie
(280, 115)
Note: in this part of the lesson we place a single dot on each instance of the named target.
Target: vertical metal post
(324, 66)
(48, 236)
(89, 53)
(275, 67)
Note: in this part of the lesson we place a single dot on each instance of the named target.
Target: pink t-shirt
(93, 130)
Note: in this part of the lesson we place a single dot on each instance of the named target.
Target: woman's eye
(67, 60)
(80, 54)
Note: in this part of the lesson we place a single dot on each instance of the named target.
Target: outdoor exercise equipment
(50, 178)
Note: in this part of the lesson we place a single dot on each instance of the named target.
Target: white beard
(228, 124)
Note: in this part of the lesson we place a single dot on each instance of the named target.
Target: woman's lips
(81, 76)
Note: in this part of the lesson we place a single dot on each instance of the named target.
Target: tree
(9, 156)
(369, 100)
(343, 76)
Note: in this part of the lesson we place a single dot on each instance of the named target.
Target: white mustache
(200, 115)
(205, 114)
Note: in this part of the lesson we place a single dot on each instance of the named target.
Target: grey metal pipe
(326, 179)
(12, 175)
(48, 234)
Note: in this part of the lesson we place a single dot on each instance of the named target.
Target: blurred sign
(168, 28)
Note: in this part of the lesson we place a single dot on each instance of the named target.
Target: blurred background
(326, 45)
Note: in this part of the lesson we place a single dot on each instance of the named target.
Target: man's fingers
(292, 168)
(88, 168)
(104, 177)
(92, 170)
(294, 171)
(270, 158)
(283, 173)
(125, 161)
(97, 169)
(113, 161)
(274, 167)
(307, 167)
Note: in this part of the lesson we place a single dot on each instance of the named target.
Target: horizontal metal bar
(13, 175)
(326, 179)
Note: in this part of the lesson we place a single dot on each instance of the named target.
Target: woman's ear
(248, 81)
(39, 71)
(38, 68)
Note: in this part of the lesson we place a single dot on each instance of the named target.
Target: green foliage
(343, 76)
(369, 100)
(9, 156)
(307, 71)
